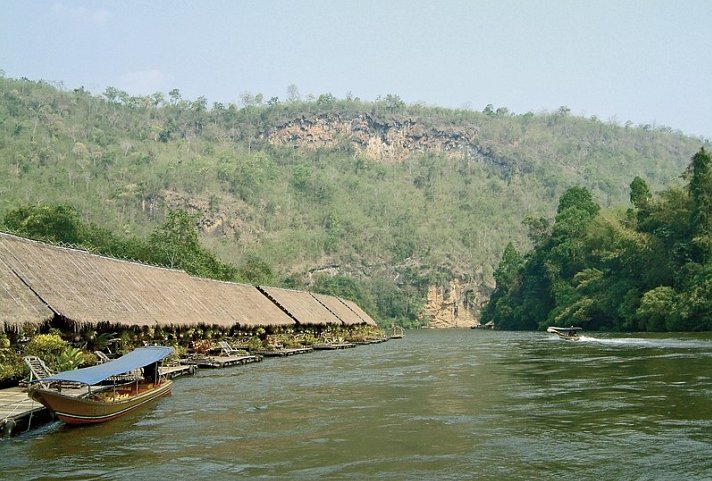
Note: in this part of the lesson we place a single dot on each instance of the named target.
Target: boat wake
(648, 343)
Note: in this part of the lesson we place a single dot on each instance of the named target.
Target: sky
(644, 61)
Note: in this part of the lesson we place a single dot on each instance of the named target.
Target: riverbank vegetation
(645, 268)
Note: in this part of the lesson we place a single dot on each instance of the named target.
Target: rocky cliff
(457, 305)
(392, 140)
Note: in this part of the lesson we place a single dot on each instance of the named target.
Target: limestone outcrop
(457, 305)
(386, 141)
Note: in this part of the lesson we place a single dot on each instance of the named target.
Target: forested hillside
(380, 200)
(646, 268)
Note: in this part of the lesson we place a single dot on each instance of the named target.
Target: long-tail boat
(103, 402)
(568, 333)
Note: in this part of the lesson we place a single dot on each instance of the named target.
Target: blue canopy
(138, 358)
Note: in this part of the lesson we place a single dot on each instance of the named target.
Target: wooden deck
(333, 346)
(285, 352)
(371, 341)
(174, 371)
(219, 361)
(18, 412)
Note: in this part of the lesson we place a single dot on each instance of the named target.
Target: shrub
(48, 347)
(11, 367)
(70, 358)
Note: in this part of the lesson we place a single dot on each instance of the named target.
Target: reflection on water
(450, 405)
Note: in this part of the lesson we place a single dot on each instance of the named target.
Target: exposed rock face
(225, 221)
(386, 141)
(456, 306)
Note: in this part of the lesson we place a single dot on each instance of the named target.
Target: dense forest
(293, 193)
(648, 267)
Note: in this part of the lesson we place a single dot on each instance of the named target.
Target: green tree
(256, 271)
(639, 193)
(176, 244)
(580, 198)
(505, 274)
(60, 223)
(700, 189)
(658, 309)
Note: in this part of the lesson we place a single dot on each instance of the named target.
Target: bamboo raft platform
(371, 341)
(180, 370)
(18, 413)
(285, 352)
(219, 361)
(334, 346)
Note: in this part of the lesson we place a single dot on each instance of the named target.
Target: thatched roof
(19, 306)
(359, 312)
(339, 309)
(37, 280)
(88, 289)
(302, 306)
(242, 304)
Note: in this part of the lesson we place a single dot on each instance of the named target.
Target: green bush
(70, 358)
(11, 367)
(48, 347)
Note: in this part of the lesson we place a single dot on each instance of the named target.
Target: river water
(440, 405)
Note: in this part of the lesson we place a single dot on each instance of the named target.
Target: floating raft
(370, 341)
(331, 347)
(285, 352)
(174, 371)
(220, 361)
(18, 412)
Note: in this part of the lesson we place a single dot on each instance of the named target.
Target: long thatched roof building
(359, 312)
(245, 305)
(301, 306)
(339, 309)
(40, 282)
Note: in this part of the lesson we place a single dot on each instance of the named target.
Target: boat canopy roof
(136, 359)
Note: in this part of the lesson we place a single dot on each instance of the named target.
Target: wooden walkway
(219, 361)
(333, 346)
(371, 341)
(174, 371)
(285, 352)
(18, 412)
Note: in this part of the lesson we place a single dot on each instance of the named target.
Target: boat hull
(93, 409)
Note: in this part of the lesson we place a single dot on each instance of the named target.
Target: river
(437, 405)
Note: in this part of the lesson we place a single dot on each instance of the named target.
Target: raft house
(210, 323)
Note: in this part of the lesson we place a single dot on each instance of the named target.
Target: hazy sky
(648, 61)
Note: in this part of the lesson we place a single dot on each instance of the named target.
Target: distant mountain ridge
(403, 199)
